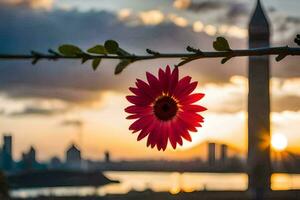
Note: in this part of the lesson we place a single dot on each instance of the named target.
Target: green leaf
(96, 63)
(150, 51)
(35, 60)
(98, 49)
(69, 50)
(224, 60)
(192, 49)
(280, 57)
(187, 60)
(111, 46)
(84, 59)
(221, 44)
(122, 65)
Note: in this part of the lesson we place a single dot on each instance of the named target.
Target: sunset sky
(50, 104)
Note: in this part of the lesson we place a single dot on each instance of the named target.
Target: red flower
(164, 109)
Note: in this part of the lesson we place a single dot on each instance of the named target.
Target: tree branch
(111, 50)
(288, 51)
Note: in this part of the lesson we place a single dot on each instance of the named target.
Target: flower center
(165, 108)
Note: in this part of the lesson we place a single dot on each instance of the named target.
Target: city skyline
(217, 157)
(60, 102)
(220, 152)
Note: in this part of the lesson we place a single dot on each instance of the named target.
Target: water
(171, 182)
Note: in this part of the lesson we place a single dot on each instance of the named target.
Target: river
(171, 182)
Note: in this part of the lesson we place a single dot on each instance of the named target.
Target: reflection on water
(173, 182)
(285, 181)
(164, 181)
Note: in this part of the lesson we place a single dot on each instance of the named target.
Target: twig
(288, 51)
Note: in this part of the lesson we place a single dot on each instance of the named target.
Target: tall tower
(7, 161)
(107, 156)
(259, 105)
(211, 153)
(223, 156)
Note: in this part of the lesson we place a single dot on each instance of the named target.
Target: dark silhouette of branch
(288, 51)
(111, 50)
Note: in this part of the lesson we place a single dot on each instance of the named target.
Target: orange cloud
(34, 4)
(152, 17)
(182, 4)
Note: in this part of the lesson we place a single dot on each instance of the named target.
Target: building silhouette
(55, 163)
(73, 157)
(6, 153)
(259, 167)
(107, 157)
(211, 154)
(223, 153)
(28, 161)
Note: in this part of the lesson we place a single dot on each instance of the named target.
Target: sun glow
(279, 142)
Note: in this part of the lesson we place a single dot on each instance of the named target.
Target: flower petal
(140, 123)
(138, 100)
(145, 88)
(152, 138)
(192, 98)
(139, 93)
(165, 137)
(182, 131)
(182, 84)
(193, 108)
(146, 131)
(168, 70)
(172, 139)
(154, 83)
(188, 124)
(164, 81)
(187, 90)
(191, 116)
(173, 80)
(138, 109)
(186, 135)
(185, 118)
(133, 116)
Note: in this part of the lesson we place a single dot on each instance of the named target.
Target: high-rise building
(107, 157)
(259, 164)
(211, 154)
(7, 160)
(29, 159)
(73, 157)
(223, 153)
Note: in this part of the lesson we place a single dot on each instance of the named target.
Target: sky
(52, 104)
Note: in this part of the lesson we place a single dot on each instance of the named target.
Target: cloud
(232, 97)
(72, 122)
(77, 84)
(197, 6)
(124, 14)
(71, 95)
(152, 17)
(181, 4)
(238, 10)
(236, 14)
(36, 111)
(205, 6)
(34, 4)
(286, 103)
(69, 80)
(179, 21)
